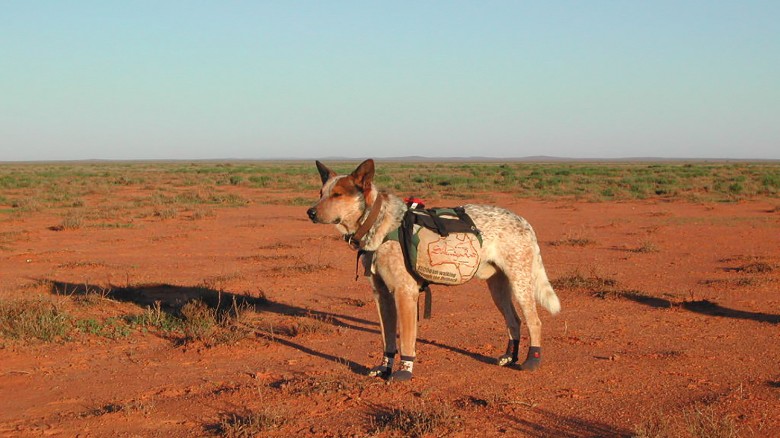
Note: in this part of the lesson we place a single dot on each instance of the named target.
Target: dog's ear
(364, 174)
(325, 173)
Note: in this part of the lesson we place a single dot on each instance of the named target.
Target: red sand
(685, 328)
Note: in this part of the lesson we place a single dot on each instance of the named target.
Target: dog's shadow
(171, 298)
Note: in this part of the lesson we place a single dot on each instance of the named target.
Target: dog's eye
(335, 195)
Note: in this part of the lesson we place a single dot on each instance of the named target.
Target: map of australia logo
(455, 253)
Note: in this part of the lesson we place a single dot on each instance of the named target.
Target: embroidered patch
(453, 259)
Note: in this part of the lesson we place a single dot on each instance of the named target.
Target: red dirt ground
(679, 325)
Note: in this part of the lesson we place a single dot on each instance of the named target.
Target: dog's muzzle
(312, 212)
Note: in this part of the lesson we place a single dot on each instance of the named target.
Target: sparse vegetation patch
(578, 280)
(416, 421)
(29, 319)
(197, 321)
(250, 424)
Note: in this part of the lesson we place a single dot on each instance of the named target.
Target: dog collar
(354, 239)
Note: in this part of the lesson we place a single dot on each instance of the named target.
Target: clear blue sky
(308, 79)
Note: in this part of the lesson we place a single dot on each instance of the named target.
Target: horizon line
(411, 158)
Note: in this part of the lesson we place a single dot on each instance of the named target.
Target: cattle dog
(510, 262)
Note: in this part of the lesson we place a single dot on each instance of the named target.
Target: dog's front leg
(406, 305)
(388, 320)
(404, 290)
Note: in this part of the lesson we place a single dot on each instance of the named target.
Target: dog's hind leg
(501, 291)
(524, 294)
(518, 269)
(388, 317)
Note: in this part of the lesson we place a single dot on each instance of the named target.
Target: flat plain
(192, 299)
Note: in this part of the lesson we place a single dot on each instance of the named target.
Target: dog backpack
(440, 245)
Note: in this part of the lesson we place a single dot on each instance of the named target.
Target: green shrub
(30, 319)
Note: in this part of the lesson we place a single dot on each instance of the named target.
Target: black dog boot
(534, 359)
(385, 368)
(510, 357)
(405, 372)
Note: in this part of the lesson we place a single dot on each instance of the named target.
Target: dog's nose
(312, 212)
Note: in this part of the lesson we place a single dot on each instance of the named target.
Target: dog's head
(343, 197)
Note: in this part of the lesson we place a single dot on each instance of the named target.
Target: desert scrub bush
(259, 181)
(416, 421)
(30, 319)
(250, 424)
(198, 320)
(70, 222)
(214, 324)
(155, 317)
(771, 183)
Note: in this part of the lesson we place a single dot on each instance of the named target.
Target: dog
(510, 262)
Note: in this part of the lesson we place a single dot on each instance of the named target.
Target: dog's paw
(401, 376)
(506, 359)
(380, 371)
(531, 364)
(534, 359)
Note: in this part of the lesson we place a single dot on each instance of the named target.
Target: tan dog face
(343, 197)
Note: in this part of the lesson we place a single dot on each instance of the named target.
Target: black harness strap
(357, 263)
(428, 298)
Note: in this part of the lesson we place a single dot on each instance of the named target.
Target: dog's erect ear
(364, 174)
(325, 173)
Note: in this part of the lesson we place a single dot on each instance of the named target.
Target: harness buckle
(350, 239)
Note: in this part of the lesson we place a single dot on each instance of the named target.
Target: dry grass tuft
(315, 385)
(304, 268)
(645, 247)
(700, 421)
(755, 268)
(214, 325)
(355, 302)
(71, 222)
(111, 408)
(311, 324)
(197, 321)
(704, 422)
(30, 319)
(250, 424)
(580, 281)
(573, 241)
(166, 213)
(416, 421)
(657, 425)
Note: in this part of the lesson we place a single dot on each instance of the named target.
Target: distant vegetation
(168, 189)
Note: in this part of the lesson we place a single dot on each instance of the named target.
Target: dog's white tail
(545, 295)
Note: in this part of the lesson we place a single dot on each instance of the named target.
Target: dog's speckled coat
(510, 262)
